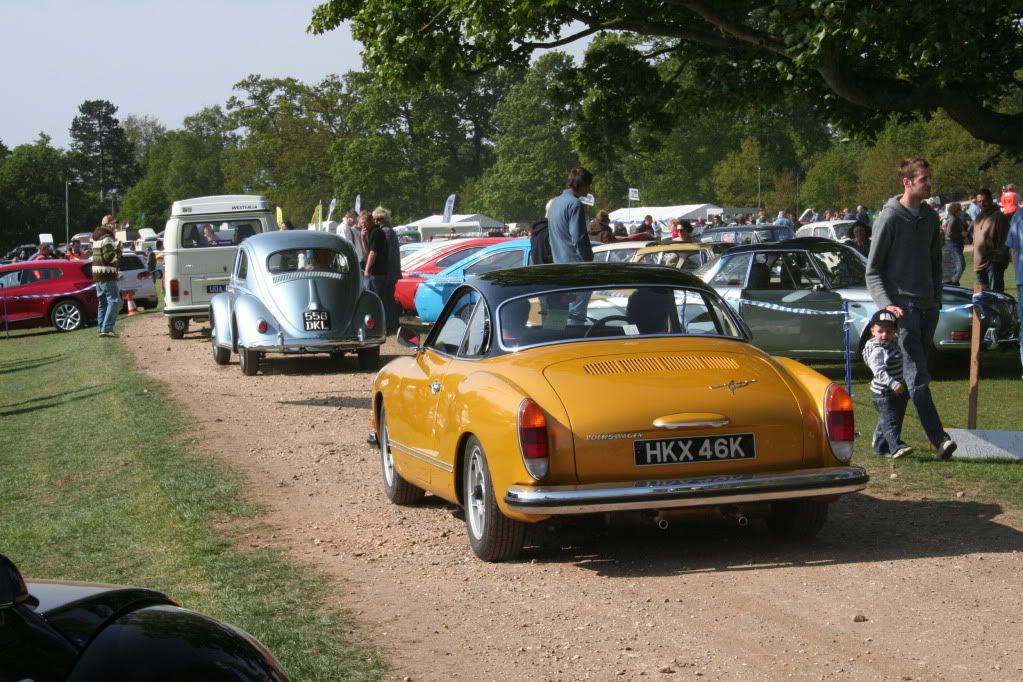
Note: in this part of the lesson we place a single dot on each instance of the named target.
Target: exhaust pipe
(741, 519)
(663, 524)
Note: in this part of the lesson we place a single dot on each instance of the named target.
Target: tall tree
(142, 132)
(98, 136)
(853, 63)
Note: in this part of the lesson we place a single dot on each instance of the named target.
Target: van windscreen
(222, 233)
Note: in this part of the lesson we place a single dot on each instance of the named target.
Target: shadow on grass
(51, 401)
(11, 366)
(860, 529)
(22, 334)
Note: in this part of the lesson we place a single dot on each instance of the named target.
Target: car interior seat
(244, 232)
(648, 309)
(759, 276)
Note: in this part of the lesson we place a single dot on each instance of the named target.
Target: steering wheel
(603, 322)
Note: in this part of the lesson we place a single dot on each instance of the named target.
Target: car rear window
(224, 233)
(131, 263)
(308, 260)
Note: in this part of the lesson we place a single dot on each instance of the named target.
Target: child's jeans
(891, 410)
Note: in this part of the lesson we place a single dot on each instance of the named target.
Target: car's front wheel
(67, 316)
(177, 326)
(397, 489)
(797, 519)
(369, 358)
(492, 535)
(249, 361)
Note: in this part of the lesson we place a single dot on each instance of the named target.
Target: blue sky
(149, 57)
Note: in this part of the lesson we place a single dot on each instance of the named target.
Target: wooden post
(971, 416)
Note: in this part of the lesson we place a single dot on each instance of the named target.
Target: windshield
(633, 312)
(308, 260)
(841, 267)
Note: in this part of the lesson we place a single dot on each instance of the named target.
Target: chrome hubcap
(475, 488)
(385, 453)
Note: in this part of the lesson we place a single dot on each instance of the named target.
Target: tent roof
(661, 213)
(484, 221)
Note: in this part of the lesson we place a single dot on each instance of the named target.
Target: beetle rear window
(309, 260)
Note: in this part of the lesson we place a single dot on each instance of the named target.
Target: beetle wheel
(492, 535)
(67, 316)
(369, 358)
(249, 361)
(397, 489)
(177, 326)
(797, 519)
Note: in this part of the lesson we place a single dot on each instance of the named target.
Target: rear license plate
(216, 288)
(695, 449)
(316, 320)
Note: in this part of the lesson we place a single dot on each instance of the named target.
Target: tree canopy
(853, 64)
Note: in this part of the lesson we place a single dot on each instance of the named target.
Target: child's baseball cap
(883, 316)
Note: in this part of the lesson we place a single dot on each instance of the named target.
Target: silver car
(296, 292)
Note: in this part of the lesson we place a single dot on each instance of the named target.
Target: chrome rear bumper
(687, 492)
(315, 345)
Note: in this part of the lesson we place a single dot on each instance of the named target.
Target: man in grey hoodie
(904, 277)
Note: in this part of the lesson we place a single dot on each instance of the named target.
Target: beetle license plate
(316, 320)
(695, 449)
(216, 288)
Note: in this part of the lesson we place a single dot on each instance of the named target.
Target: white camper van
(200, 244)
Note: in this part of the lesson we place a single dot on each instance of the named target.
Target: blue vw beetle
(296, 292)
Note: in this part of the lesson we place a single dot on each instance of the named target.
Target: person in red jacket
(1009, 200)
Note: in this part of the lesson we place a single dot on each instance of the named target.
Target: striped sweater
(104, 255)
(885, 361)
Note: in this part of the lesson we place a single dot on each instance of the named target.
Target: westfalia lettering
(692, 450)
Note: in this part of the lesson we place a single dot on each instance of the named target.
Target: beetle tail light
(533, 442)
(839, 422)
(369, 321)
(262, 326)
(173, 287)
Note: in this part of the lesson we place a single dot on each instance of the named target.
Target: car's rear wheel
(221, 355)
(492, 535)
(369, 358)
(177, 326)
(797, 519)
(249, 361)
(397, 489)
(67, 315)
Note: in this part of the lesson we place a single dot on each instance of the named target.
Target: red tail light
(172, 284)
(839, 421)
(369, 322)
(262, 326)
(533, 438)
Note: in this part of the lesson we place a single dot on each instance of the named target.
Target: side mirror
(408, 337)
(13, 590)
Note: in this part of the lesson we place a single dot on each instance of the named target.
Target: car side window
(496, 261)
(453, 258)
(10, 279)
(478, 336)
(803, 272)
(241, 267)
(733, 271)
(452, 331)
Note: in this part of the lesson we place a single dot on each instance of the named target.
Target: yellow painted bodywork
(599, 397)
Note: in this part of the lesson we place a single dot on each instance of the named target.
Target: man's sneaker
(947, 447)
(902, 451)
(110, 334)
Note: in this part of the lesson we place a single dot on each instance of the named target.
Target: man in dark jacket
(904, 277)
(539, 240)
(382, 218)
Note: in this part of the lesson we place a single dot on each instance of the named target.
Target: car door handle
(435, 387)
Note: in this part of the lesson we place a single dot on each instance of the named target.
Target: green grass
(100, 481)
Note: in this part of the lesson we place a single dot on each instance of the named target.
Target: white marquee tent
(662, 214)
(460, 223)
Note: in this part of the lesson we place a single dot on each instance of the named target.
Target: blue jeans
(992, 277)
(1019, 302)
(916, 337)
(109, 305)
(891, 410)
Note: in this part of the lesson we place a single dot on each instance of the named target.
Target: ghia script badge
(734, 386)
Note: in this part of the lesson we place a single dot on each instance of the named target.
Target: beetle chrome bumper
(686, 492)
(314, 345)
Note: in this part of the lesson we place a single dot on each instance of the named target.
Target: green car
(783, 291)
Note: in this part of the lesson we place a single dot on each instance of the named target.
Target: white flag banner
(589, 200)
(633, 194)
(449, 208)
(330, 211)
(358, 203)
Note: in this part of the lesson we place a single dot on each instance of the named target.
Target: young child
(888, 388)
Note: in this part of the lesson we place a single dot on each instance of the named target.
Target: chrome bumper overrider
(686, 492)
(314, 345)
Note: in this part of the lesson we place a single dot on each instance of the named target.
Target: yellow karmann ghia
(586, 388)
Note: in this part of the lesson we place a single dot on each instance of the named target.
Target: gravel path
(892, 589)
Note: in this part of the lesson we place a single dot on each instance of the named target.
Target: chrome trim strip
(316, 345)
(714, 423)
(689, 492)
(424, 457)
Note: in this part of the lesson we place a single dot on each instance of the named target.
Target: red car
(421, 265)
(41, 293)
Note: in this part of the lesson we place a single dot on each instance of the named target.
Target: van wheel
(177, 326)
(249, 360)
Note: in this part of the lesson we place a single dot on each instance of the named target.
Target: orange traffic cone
(132, 308)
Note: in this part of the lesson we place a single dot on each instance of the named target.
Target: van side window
(203, 235)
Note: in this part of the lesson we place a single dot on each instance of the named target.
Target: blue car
(434, 292)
